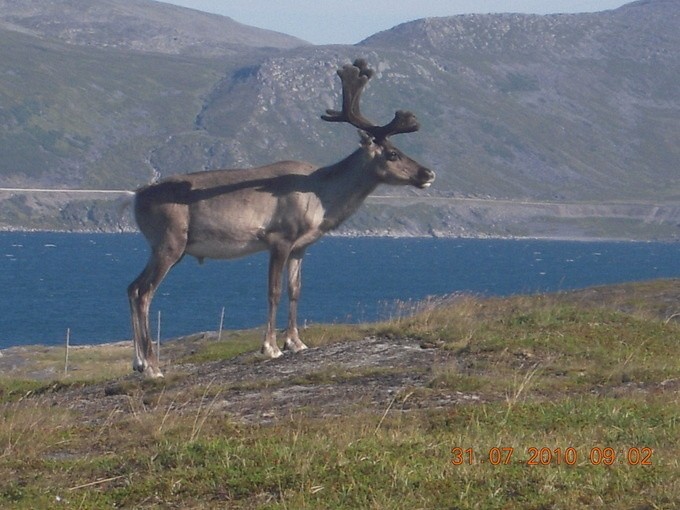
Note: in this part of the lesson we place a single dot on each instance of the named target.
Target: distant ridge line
(47, 190)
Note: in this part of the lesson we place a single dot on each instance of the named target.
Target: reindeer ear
(365, 139)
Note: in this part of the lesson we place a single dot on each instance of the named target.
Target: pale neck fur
(345, 186)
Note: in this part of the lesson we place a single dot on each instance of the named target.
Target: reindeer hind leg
(140, 295)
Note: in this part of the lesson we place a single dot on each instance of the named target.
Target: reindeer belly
(223, 248)
(225, 227)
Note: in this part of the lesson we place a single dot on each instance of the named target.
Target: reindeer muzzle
(425, 178)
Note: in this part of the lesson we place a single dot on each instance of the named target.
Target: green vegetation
(89, 117)
(555, 401)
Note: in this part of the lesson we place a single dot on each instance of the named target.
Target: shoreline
(372, 235)
(15, 357)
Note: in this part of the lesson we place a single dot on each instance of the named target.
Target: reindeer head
(391, 165)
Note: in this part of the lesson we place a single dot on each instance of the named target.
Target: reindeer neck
(344, 187)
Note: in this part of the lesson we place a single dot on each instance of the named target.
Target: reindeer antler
(354, 78)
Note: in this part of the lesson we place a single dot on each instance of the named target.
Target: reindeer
(283, 208)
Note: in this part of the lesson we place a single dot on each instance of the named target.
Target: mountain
(556, 126)
(566, 107)
(141, 25)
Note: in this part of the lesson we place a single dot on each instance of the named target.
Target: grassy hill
(84, 117)
(549, 401)
(569, 111)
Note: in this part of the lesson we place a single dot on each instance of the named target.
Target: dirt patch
(376, 374)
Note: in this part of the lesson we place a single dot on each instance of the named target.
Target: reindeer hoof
(150, 372)
(271, 352)
(153, 373)
(294, 346)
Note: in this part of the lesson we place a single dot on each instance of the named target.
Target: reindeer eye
(392, 155)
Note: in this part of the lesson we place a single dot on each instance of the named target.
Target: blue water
(53, 281)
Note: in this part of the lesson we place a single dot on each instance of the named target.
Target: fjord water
(55, 281)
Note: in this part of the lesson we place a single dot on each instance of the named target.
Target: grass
(400, 462)
(576, 408)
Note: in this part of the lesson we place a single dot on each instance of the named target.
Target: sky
(350, 21)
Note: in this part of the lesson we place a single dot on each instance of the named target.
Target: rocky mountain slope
(141, 25)
(558, 126)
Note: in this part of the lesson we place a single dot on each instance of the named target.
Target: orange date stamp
(544, 456)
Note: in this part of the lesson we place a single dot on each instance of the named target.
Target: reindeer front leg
(293, 341)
